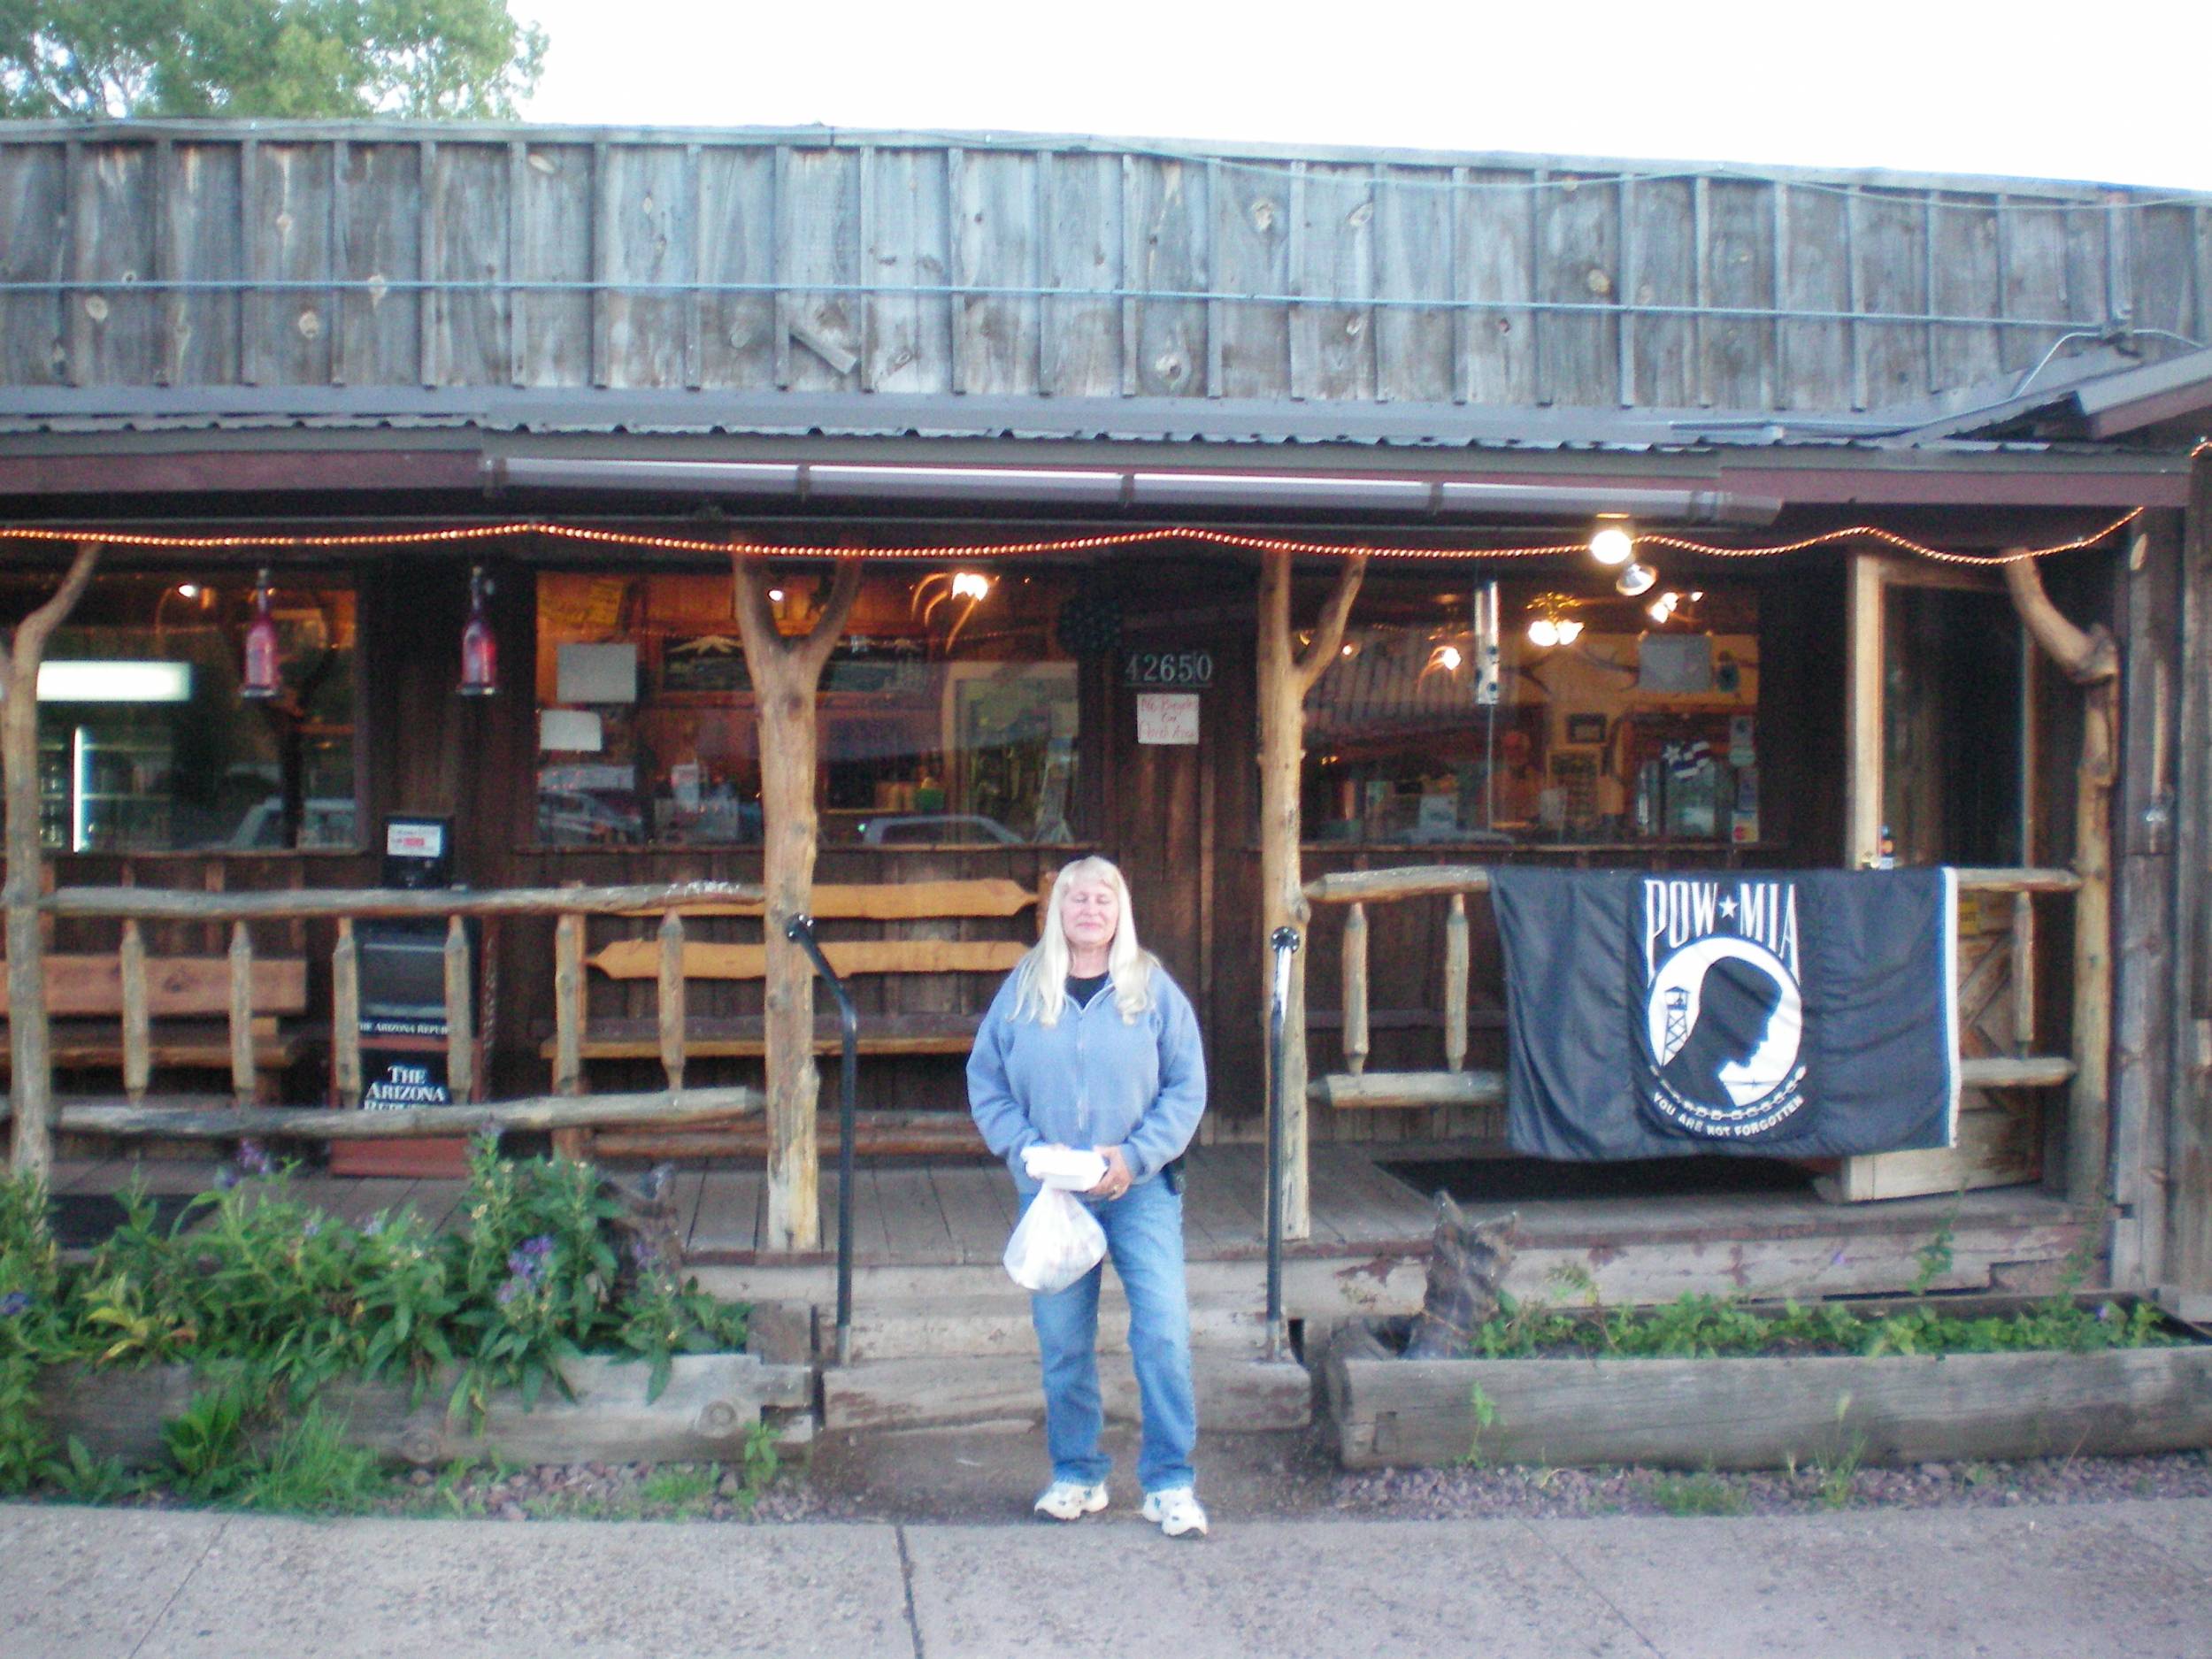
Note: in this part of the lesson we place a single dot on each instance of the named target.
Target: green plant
(205, 1443)
(1701, 1494)
(78, 1474)
(308, 1467)
(1935, 1256)
(686, 1487)
(758, 1465)
(1836, 1478)
(1486, 1414)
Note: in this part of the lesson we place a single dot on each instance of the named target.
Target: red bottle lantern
(260, 681)
(480, 649)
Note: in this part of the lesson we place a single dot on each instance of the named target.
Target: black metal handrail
(1285, 941)
(800, 931)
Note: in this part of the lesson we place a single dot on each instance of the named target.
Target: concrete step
(983, 1327)
(1238, 1393)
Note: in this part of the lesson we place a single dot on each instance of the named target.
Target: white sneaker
(1177, 1511)
(1072, 1500)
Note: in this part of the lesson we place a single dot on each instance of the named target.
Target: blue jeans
(1144, 1236)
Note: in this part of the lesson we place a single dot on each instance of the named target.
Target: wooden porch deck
(951, 1215)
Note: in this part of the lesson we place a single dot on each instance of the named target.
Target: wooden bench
(949, 1032)
(193, 994)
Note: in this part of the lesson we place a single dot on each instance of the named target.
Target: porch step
(990, 1327)
(1238, 1393)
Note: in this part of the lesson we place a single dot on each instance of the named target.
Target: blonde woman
(1089, 1043)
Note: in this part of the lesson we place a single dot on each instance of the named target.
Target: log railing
(568, 1107)
(1357, 1088)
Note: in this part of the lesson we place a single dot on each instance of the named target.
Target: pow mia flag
(1807, 1014)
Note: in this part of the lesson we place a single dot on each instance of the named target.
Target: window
(1614, 720)
(947, 713)
(145, 744)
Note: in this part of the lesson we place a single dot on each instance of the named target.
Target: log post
(345, 1015)
(785, 674)
(1286, 675)
(1456, 965)
(671, 1007)
(137, 1019)
(460, 1014)
(30, 1036)
(2091, 658)
(244, 1084)
(568, 1027)
(1355, 951)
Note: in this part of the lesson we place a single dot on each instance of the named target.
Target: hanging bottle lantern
(260, 682)
(480, 649)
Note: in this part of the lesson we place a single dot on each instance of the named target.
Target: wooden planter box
(705, 1413)
(1762, 1413)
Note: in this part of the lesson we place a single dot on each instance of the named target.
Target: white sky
(2116, 93)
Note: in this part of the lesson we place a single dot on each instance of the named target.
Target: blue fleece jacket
(1090, 1080)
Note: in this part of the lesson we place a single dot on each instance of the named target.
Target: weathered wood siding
(319, 254)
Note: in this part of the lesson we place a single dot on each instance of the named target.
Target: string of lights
(1241, 540)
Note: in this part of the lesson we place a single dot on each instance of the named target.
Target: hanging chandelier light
(1552, 620)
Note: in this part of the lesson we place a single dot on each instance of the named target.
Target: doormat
(1493, 1180)
(83, 1221)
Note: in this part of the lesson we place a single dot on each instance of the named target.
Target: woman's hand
(1115, 1182)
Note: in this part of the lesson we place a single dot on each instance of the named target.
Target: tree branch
(2087, 656)
(1328, 633)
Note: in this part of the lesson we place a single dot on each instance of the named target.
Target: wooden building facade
(1083, 418)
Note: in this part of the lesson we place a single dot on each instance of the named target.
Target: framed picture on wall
(1585, 729)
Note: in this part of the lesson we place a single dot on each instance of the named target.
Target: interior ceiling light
(1637, 578)
(1612, 542)
(1552, 620)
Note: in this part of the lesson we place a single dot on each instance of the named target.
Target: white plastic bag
(1056, 1243)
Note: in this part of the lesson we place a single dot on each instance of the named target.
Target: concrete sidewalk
(2132, 1579)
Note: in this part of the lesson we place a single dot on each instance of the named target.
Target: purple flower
(227, 1177)
(509, 1291)
(253, 1157)
(540, 1246)
(644, 1254)
(2104, 1310)
(14, 1302)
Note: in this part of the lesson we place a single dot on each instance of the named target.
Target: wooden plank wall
(529, 257)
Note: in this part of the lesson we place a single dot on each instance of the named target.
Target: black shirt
(1083, 990)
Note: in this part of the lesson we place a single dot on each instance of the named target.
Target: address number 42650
(1190, 669)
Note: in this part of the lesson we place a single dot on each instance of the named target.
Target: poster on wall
(1167, 716)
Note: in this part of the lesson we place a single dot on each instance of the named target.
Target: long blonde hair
(1040, 982)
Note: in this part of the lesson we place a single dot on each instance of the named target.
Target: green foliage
(432, 59)
(686, 1488)
(1701, 1326)
(78, 1474)
(1486, 1413)
(1703, 1494)
(271, 1300)
(758, 1464)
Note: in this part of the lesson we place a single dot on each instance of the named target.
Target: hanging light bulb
(1637, 578)
(970, 585)
(479, 647)
(259, 682)
(1612, 542)
(1552, 620)
(1448, 658)
(1661, 608)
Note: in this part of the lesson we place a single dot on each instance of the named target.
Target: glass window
(947, 713)
(145, 744)
(1608, 719)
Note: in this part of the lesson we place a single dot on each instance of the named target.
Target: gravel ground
(985, 1477)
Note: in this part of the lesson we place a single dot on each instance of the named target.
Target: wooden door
(1941, 758)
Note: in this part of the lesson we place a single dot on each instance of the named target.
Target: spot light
(1637, 578)
(1612, 542)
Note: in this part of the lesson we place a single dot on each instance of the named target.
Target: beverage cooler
(405, 1048)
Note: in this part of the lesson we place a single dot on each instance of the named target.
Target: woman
(1090, 1043)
